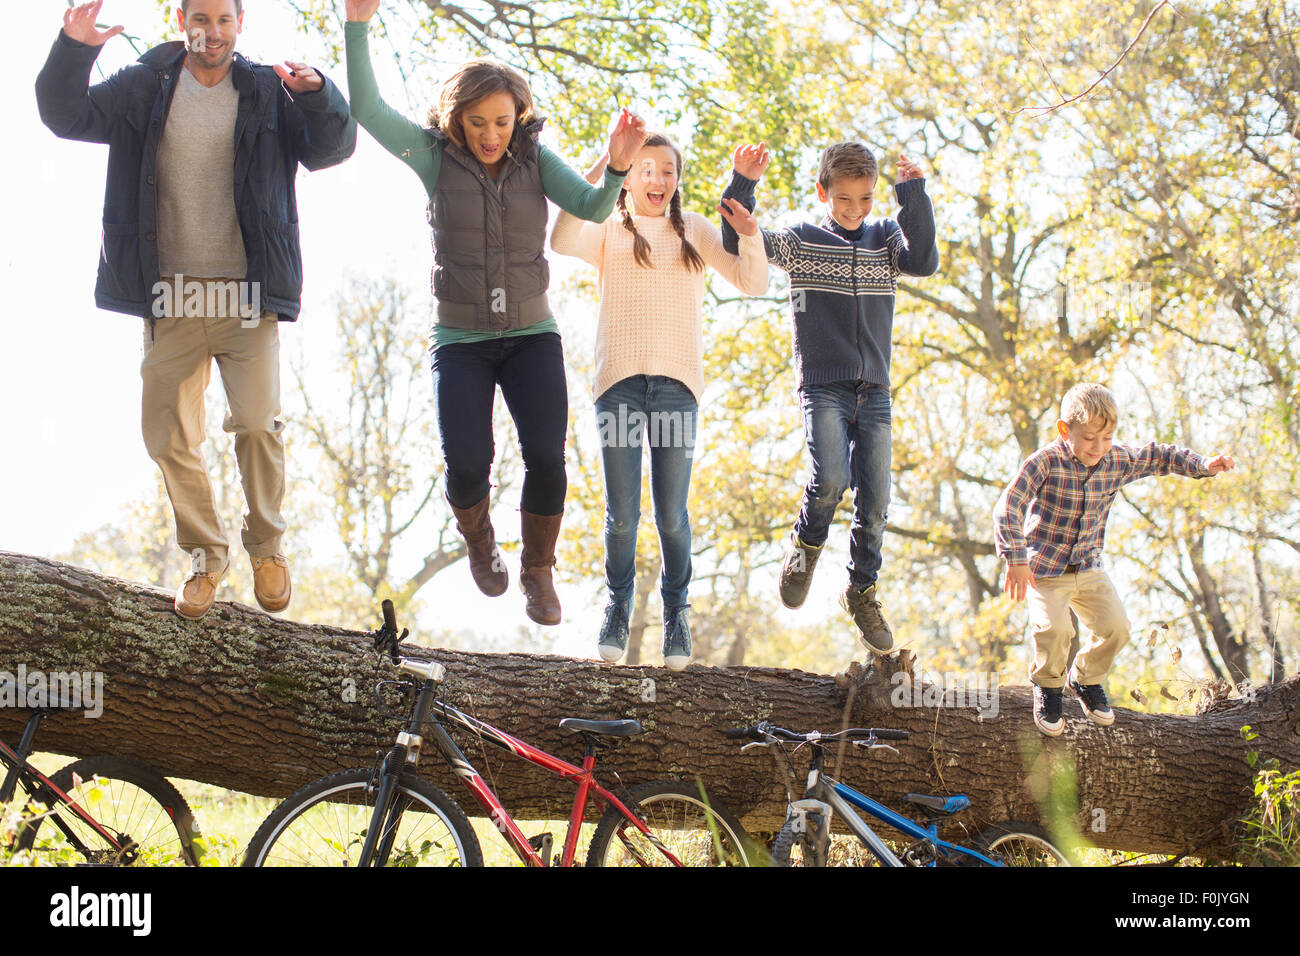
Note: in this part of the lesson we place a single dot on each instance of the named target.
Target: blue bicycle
(805, 838)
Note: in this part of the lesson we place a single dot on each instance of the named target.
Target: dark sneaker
(1049, 710)
(613, 633)
(677, 638)
(865, 611)
(1092, 698)
(797, 571)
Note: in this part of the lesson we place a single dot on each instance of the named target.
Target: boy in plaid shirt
(1050, 526)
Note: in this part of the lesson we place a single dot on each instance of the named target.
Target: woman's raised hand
(361, 10)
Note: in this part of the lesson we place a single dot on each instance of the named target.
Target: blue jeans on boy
(660, 411)
(847, 425)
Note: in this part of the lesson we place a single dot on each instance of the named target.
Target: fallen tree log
(263, 705)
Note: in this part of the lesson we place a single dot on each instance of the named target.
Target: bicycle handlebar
(765, 731)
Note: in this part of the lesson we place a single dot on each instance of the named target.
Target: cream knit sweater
(652, 319)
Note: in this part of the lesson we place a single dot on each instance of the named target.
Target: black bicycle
(112, 811)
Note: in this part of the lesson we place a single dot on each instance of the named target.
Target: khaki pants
(1097, 604)
(176, 368)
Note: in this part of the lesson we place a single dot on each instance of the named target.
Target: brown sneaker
(540, 532)
(485, 564)
(195, 596)
(865, 611)
(271, 585)
(797, 571)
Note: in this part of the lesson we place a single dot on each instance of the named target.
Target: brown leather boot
(485, 563)
(539, 533)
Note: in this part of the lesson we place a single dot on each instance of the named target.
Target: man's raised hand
(79, 25)
(299, 77)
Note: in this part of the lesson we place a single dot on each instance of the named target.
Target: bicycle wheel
(1020, 844)
(691, 825)
(148, 816)
(325, 824)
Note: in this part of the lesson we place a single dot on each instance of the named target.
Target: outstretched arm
(912, 249)
(67, 103)
(405, 139)
(578, 237)
(1156, 459)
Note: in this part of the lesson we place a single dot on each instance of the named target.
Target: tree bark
(264, 706)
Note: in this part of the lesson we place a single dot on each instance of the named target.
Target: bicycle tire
(789, 849)
(694, 826)
(310, 829)
(136, 802)
(1020, 844)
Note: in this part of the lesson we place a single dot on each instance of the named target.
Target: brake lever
(874, 744)
(755, 743)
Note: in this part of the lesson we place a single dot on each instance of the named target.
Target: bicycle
(804, 838)
(388, 816)
(111, 810)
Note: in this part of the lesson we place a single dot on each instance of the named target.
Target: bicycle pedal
(542, 843)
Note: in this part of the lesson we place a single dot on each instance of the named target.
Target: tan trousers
(176, 368)
(1097, 604)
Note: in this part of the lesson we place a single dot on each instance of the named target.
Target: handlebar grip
(743, 733)
(390, 616)
(882, 734)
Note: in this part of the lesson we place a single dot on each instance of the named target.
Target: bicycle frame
(429, 711)
(40, 787)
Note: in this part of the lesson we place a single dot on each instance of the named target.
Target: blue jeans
(662, 411)
(847, 425)
(530, 371)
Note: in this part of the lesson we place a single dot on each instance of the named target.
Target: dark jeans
(530, 371)
(658, 411)
(847, 425)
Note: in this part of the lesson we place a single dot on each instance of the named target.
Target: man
(201, 239)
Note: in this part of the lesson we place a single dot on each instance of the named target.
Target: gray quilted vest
(489, 269)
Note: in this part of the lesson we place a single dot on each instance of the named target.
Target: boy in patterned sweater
(1050, 526)
(843, 278)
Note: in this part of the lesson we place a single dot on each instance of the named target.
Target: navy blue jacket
(273, 133)
(842, 285)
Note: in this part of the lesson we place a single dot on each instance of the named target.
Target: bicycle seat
(607, 728)
(939, 804)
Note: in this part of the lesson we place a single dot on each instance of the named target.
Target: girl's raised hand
(750, 160)
(626, 139)
(361, 10)
(79, 25)
(738, 216)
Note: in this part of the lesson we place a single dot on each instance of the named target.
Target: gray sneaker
(865, 611)
(613, 632)
(797, 571)
(677, 638)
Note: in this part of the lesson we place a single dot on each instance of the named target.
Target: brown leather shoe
(485, 563)
(195, 595)
(540, 532)
(271, 584)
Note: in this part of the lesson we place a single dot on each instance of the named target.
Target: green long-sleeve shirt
(414, 145)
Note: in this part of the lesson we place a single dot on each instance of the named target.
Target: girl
(488, 179)
(650, 368)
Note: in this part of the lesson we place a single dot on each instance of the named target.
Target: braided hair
(640, 245)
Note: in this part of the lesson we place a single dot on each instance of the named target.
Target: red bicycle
(388, 816)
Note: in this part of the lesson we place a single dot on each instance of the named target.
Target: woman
(488, 179)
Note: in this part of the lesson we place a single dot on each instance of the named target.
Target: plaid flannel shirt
(1054, 513)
